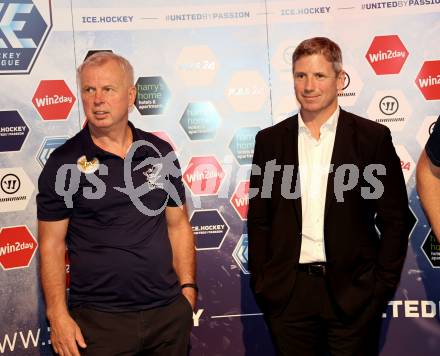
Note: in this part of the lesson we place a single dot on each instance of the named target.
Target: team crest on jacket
(152, 175)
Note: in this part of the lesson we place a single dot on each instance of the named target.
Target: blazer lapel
(290, 156)
(343, 140)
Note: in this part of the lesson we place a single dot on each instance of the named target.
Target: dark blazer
(362, 264)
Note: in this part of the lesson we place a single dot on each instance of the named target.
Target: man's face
(106, 95)
(316, 85)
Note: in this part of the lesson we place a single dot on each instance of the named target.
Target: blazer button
(299, 235)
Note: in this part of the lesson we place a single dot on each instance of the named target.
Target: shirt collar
(330, 125)
(91, 150)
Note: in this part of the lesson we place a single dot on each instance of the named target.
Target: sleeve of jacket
(259, 217)
(392, 220)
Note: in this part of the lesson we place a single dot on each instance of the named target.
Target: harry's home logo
(152, 175)
(23, 31)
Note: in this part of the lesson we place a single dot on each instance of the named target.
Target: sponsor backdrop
(209, 75)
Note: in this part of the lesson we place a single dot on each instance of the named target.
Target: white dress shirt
(314, 163)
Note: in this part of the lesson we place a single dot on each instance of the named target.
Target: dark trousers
(312, 325)
(162, 331)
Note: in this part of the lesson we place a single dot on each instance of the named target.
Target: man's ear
(132, 94)
(341, 80)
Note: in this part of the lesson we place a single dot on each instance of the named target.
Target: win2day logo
(24, 28)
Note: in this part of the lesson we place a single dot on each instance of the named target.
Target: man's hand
(65, 336)
(65, 333)
(182, 244)
(191, 295)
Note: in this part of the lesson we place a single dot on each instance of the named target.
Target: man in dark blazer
(428, 179)
(328, 217)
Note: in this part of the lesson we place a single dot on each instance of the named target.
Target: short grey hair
(101, 57)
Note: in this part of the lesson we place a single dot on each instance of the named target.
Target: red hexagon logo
(204, 175)
(240, 199)
(428, 80)
(17, 247)
(387, 54)
(53, 100)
